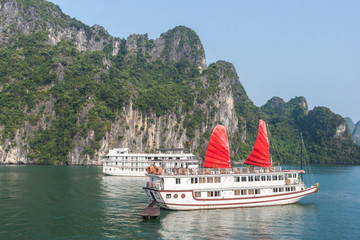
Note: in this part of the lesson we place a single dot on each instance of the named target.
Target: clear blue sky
(279, 48)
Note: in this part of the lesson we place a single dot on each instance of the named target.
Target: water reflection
(254, 223)
(123, 199)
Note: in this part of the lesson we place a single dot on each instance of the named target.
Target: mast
(301, 155)
(268, 130)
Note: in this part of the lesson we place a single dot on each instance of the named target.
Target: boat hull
(187, 201)
(124, 173)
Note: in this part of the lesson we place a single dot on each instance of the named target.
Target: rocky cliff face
(134, 129)
(141, 132)
(176, 45)
(24, 17)
(350, 124)
(74, 92)
(354, 130)
(356, 133)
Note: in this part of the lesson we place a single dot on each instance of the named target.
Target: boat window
(251, 191)
(281, 177)
(251, 178)
(257, 178)
(210, 180)
(268, 178)
(281, 189)
(257, 191)
(237, 192)
(197, 194)
(202, 180)
(243, 179)
(214, 194)
(168, 195)
(263, 178)
(275, 177)
(243, 192)
(236, 179)
(178, 180)
(217, 179)
(194, 180)
(275, 190)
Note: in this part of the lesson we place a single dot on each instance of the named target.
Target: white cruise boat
(217, 185)
(120, 162)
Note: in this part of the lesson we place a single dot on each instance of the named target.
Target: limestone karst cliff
(70, 92)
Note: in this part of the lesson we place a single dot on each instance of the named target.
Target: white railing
(206, 171)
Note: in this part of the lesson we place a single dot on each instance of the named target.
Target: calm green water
(48, 202)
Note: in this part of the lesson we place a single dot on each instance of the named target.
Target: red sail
(260, 155)
(217, 153)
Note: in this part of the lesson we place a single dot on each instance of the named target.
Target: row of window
(244, 192)
(127, 169)
(214, 194)
(259, 178)
(287, 189)
(196, 180)
(206, 180)
(145, 158)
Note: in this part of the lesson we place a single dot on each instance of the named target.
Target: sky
(279, 47)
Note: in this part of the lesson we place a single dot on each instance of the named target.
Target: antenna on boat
(301, 153)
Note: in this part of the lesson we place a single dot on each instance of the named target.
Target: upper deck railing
(208, 171)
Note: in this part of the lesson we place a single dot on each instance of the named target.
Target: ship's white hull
(187, 201)
(116, 172)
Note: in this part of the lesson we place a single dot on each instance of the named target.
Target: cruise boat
(120, 162)
(217, 185)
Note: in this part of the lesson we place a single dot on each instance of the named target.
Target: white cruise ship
(217, 185)
(120, 162)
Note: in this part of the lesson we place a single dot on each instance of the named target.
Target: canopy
(260, 155)
(217, 153)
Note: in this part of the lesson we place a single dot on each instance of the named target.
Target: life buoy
(150, 169)
(158, 170)
(180, 171)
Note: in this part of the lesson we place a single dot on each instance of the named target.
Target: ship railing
(205, 171)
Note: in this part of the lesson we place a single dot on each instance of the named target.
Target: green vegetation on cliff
(53, 95)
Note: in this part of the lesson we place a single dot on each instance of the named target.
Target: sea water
(59, 202)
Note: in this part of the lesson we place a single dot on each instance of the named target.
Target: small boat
(217, 185)
(120, 162)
